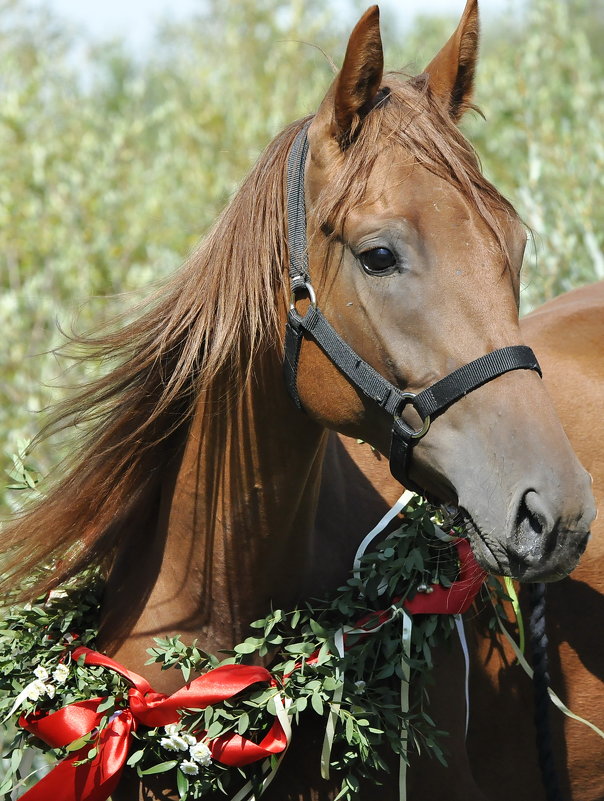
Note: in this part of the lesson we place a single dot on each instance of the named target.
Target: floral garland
(48, 665)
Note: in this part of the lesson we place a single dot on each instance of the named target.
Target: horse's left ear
(451, 72)
(360, 76)
(354, 90)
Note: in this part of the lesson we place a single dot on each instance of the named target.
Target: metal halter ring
(307, 287)
(406, 399)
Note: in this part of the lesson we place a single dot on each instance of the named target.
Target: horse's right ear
(352, 93)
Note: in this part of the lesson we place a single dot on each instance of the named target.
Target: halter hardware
(407, 399)
(307, 287)
(430, 402)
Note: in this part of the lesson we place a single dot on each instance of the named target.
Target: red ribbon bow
(97, 779)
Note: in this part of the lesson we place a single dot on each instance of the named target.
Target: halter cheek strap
(430, 402)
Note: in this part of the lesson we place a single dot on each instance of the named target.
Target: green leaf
(246, 647)
(350, 729)
(162, 767)
(78, 744)
(135, 757)
(182, 784)
(316, 701)
(243, 723)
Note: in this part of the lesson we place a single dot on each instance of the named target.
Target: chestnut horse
(202, 479)
(567, 335)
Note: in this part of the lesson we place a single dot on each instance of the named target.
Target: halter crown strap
(430, 402)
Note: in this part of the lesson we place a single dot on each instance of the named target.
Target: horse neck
(232, 529)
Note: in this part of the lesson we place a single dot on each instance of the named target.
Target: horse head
(415, 261)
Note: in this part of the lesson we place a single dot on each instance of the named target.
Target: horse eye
(378, 261)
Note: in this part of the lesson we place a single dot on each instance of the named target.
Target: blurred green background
(114, 163)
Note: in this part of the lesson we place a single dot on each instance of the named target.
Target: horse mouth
(497, 559)
(484, 552)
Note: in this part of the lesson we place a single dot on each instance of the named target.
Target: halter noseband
(430, 402)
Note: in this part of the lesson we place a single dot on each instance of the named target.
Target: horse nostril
(531, 513)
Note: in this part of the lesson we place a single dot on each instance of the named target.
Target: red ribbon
(456, 599)
(95, 780)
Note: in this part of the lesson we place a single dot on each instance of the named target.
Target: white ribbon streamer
(464, 647)
(405, 681)
(554, 698)
(379, 527)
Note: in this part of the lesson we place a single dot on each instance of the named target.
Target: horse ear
(451, 72)
(360, 76)
(354, 89)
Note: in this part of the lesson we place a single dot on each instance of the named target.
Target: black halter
(431, 401)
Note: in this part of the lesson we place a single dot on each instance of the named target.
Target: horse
(566, 334)
(201, 485)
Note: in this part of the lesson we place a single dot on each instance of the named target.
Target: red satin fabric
(96, 780)
(456, 599)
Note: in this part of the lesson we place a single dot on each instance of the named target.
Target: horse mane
(209, 320)
(202, 330)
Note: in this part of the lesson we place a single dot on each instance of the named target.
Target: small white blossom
(41, 673)
(168, 744)
(60, 673)
(201, 753)
(189, 768)
(50, 690)
(174, 743)
(189, 739)
(360, 685)
(35, 689)
(172, 728)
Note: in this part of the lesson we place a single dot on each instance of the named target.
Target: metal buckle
(406, 399)
(308, 288)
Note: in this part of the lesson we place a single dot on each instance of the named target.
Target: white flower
(172, 728)
(35, 689)
(168, 744)
(41, 673)
(189, 739)
(201, 753)
(360, 685)
(174, 743)
(189, 768)
(50, 690)
(60, 673)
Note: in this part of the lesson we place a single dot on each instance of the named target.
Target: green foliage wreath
(39, 674)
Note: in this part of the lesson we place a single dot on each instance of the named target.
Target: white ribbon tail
(464, 647)
(406, 676)
(554, 698)
(379, 527)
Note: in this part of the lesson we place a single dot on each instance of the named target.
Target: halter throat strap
(430, 402)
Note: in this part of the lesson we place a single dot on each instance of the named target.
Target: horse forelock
(410, 120)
